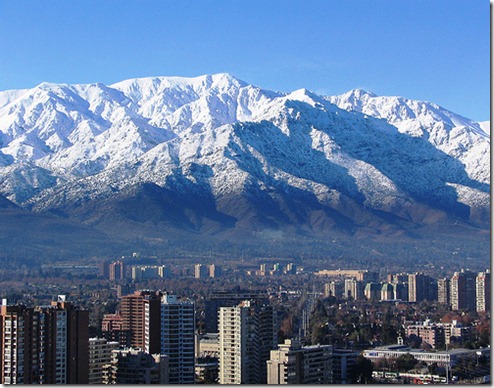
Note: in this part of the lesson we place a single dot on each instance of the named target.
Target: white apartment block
(483, 291)
(246, 336)
(13, 344)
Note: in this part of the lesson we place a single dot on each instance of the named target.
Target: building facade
(334, 288)
(215, 271)
(292, 363)
(132, 315)
(217, 299)
(483, 291)
(100, 356)
(112, 329)
(246, 336)
(463, 290)
(420, 287)
(117, 270)
(132, 366)
(201, 271)
(177, 338)
(431, 334)
(44, 345)
(443, 290)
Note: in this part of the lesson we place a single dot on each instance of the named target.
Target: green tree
(433, 368)
(362, 372)
(388, 334)
(405, 362)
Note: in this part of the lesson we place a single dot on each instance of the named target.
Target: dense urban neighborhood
(261, 321)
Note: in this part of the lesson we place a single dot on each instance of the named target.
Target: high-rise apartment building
(463, 290)
(112, 328)
(483, 291)
(354, 289)
(372, 291)
(135, 323)
(161, 324)
(443, 290)
(44, 345)
(146, 272)
(20, 344)
(215, 271)
(291, 269)
(117, 270)
(387, 291)
(397, 278)
(246, 335)
(54, 323)
(217, 299)
(77, 341)
(200, 271)
(132, 314)
(164, 271)
(334, 288)
(400, 291)
(177, 338)
(152, 322)
(420, 287)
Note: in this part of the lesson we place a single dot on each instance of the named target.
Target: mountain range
(166, 159)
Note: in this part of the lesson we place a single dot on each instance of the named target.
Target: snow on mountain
(63, 146)
(486, 127)
(453, 134)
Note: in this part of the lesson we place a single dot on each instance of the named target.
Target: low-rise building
(441, 358)
(431, 334)
(208, 346)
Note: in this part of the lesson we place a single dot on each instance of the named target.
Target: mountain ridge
(213, 154)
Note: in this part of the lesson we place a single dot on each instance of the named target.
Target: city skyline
(296, 331)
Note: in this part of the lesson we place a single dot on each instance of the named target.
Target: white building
(442, 358)
(483, 291)
(246, 336)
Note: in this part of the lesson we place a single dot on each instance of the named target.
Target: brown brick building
(44, 345)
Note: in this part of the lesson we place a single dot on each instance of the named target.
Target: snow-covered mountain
(486, 127)
(214, 153)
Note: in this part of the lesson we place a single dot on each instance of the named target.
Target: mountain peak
(218, 136)
(48, 86)
(360, 93)
(206, 79)
(228, 78)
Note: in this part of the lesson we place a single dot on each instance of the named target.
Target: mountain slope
(213, 155)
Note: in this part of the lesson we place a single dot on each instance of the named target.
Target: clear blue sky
(434, 50)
